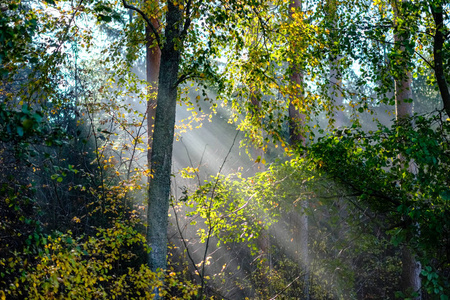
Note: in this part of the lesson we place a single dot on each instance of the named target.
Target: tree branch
(147, 20)
(436, 10)
(183, 78)
(188, 21)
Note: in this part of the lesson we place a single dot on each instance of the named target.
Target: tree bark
(402, 72)
(296, 119)
(410, 273)
(161, 161)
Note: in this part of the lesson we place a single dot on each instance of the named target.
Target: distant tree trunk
(411, 269)
(402, 72)
(403, 96)
(163, 134)
(296, 121)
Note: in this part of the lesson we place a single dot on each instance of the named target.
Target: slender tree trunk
(402, 73)
(411, 269)
(296, 119)
(403, 96)
(161, 161)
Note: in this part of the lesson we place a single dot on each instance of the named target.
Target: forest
(225, 149)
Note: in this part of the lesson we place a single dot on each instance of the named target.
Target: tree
(401, 61)
(174, 50)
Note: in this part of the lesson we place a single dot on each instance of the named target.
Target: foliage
(95, 267)
(260, 212)
(401, 173)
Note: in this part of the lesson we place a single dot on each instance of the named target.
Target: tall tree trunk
(296, 121)
(411, 269)
(163, 134)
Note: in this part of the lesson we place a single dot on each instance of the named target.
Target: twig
(285, 288)
(209, 209)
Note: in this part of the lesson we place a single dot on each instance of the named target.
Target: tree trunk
(161, 161)
(296, 119)
(402, 73)
(411, 269)
(403, 96)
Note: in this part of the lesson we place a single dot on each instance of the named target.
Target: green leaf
(20, 130)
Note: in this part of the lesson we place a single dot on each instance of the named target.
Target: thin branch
(188, 21)
(180, 231)
(190, 162)
(147, 20)
(209, 209)
(183, 78)
(286, 287)
(424, 59)
(238, 209)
